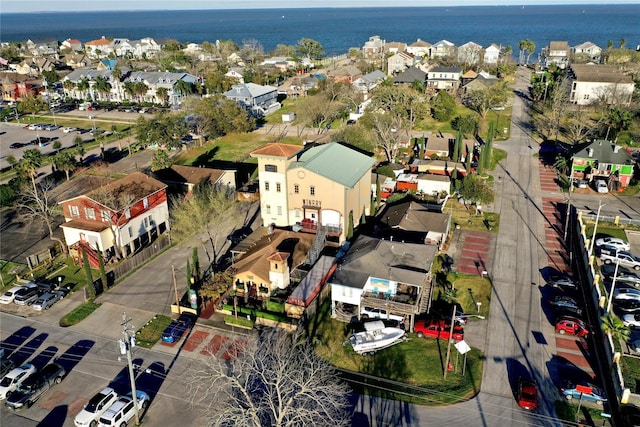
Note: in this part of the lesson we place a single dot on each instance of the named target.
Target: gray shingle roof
(371, 257)
(604, 152)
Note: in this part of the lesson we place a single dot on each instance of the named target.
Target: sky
(14, 6)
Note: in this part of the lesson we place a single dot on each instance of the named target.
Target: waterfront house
(347, 74)
(492, 54)
(557, 53)
(394, 47)
(590, 83)
(400, 62)
(100, 48)
(587, 51)
(419, 48)
(259, 100)
(442, 49)
(72, 45)
(469, 53)
(373, 48)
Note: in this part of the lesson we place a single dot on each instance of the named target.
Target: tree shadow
(373, 411)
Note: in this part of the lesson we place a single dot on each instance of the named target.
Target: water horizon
(339, 28)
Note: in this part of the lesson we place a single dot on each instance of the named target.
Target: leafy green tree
(467, 124)
(616, 120)
(160, 160)
(482, 100)
(443, 107)
(475, 189)
(562, 164)
(165, 129)
(217, 116)
(103, 272)
(357, 136)
(91, 290)
(31, 105)
(309, 48)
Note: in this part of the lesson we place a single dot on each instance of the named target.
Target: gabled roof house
(601, 159)
(598, 82)
(128, 213)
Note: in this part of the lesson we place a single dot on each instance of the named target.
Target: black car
(17, 145)
(565, 303)
(627, 305)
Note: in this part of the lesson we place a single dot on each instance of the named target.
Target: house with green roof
(312, 188)
(602, 159)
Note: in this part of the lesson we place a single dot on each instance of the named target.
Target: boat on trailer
(376, 336)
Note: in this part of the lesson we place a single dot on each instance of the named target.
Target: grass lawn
(466, 218)
(151, 333)
(9, 271)
(417, 363)
(229, 148)
(468, 290)
(605, 229)
(79, 313)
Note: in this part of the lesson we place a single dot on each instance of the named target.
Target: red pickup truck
(437, 328)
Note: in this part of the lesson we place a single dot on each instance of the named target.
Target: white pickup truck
(379, 313)
(611, 255)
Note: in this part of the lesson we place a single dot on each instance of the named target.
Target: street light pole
(566, 222)
(595, 228)
(613, 285)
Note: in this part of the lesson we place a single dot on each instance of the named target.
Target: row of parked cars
(39, 295)
(21, 387)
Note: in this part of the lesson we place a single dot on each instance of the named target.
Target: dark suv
(27, 295)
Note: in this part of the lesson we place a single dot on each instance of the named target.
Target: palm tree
(561, 164)
(65, 161)
(116, 75)
(129, 89)
(140, 89)
(30, 163)
(622, 43)
(616, 120)
(69, 86)
(83, 87)
(162, 94)
(614, 326)
(102, 86)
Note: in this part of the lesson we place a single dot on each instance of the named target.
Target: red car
(527, 394)
(572, 326)
(437, 328)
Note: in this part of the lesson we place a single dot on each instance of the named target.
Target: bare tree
(36, 204)
(579, 125)
(559, 106)
(276, 380)
(118, 201)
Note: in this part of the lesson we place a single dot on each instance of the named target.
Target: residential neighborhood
(397, 210)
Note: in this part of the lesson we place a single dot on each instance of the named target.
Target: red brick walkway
(196, 338)
(474, 254)
(554, 234)
(548, 178)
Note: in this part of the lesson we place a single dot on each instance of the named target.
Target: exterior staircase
(318, 245)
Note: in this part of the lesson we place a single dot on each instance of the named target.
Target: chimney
(616, 148)
(590, 152)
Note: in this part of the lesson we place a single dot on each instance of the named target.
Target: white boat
(375, 336)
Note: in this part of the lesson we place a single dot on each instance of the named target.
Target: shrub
(239, 321)
(274, 306)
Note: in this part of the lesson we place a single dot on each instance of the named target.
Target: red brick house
(119, 218)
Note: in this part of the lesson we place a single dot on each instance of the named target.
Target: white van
(122, 411)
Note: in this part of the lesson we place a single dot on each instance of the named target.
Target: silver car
(47, 300)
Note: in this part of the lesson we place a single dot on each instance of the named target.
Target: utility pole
(595, 227)
(613, 284)
(175, 288)
(566, 223)
(126, 343)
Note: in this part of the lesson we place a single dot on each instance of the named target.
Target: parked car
(565, 303)
(563, 282)
(436, 328)
(8, 296)
(611, 255)
(601, 186)
(123, 410)
(14, 378)
(27, 295)
(634, 347)
(379, 313)
(47, 300)
(27, 393)
(69, 129)
(631, 320)
(572, 326)
(50, 127)
(596, 395)
(624, 275)
(624, 293)
(527, 393)
(16, 145)
(35, 126)
(613, 241)
(627, 306)
(177, 328)
(95, 407)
